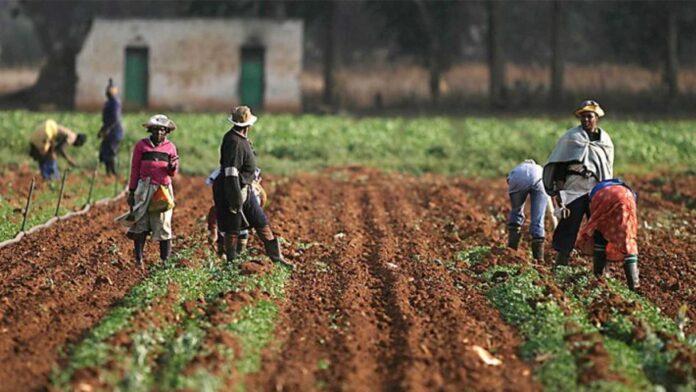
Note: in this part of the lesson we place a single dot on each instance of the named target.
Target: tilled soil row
(667, 252)
(60, 281)
(369, 307)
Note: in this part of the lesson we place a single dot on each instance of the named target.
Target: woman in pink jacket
(153, 165)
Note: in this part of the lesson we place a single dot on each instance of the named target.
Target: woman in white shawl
(583, 157)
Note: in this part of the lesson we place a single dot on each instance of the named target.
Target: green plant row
(471, 146)
(45, 199)
(558, 335)
(636, 329)
(158, 351)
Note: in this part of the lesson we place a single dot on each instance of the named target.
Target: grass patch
(473, 146)
(45, 199)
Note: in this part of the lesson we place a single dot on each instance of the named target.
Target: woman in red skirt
(612, 230)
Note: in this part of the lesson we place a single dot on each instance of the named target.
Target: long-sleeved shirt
(46, 136)
(111, 120)
(237, 165)
(153, 161)
(524, 177)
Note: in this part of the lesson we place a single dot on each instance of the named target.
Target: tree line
(437, 34)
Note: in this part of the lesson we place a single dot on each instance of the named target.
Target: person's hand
(131, 198)
(212, 237)
(561, 212)
(171, 165)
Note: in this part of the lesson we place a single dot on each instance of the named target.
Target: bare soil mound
(368, 308)
(58, 282)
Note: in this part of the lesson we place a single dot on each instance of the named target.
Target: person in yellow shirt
(47, 141)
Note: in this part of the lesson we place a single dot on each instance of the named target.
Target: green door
(251, 82)
(135, 94)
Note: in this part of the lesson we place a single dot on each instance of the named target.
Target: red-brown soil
(370, 308)
(57, 283)
(371, 305)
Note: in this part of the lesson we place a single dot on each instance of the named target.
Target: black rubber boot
(562, 258)
(230, 247)
(165, 249)
(272, 248)
(631, 271)
(514, 235)
(138, 250)
(538, 248)
(599, 261)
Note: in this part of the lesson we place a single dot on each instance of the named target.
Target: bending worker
(47, 141)
(582, 158)
(235, 204)
(150, 194)
(525, 181)
(611, 232)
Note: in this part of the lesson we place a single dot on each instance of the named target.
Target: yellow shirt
(48, 133)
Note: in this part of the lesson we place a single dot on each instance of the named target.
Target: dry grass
(358, 86)
(13, 79)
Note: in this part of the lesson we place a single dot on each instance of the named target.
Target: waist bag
(161, 200)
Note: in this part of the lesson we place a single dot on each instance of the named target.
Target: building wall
(194, 64)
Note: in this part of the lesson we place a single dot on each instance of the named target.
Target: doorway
(251, 83)
(137, 78)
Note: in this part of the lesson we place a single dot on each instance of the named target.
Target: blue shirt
(525, 177)
(111, 114)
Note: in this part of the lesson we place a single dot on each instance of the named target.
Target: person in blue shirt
(111, 132)
(524, 181)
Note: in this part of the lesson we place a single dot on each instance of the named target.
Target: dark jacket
(237, 166)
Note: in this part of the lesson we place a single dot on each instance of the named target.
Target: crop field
(403, 282)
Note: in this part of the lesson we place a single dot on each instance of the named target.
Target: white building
(193, 64)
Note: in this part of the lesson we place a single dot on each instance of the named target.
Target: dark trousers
(567, 230)
(230, 223)
(107, 154)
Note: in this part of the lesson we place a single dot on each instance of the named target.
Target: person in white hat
(583, 157)
(235, 204)
(154, 163)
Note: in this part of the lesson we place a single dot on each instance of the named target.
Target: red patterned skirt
(613, 214)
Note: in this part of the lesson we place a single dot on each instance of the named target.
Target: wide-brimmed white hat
(242, 117)
(160, 120)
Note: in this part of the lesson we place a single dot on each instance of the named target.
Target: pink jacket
(153, 161)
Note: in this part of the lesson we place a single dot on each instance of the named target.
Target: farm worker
(611, 232)
(50, 139)
(154, 163)
(525, 181)
(111, 132)
(232, 189)
(216, 236)
(583, 157)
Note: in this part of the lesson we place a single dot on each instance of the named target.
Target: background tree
(62, 27)
(496, 61)
(671, 73)
(429, 31)
(558, 43)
